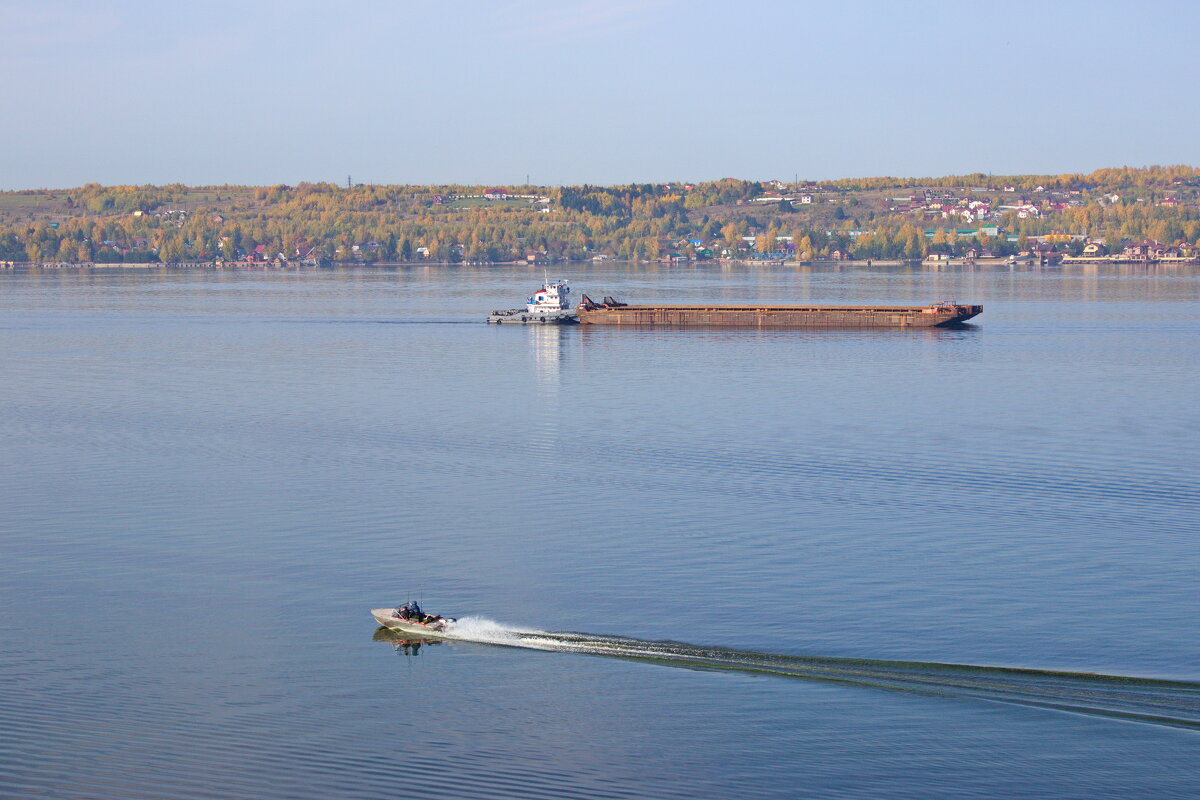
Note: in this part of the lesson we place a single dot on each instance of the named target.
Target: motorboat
(430, 625)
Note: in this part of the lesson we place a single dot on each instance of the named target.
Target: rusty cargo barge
(610, 312)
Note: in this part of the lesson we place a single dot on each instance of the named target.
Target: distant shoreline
(259, 266)
(1135, 213)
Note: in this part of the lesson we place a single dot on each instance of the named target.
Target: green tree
(171, 249)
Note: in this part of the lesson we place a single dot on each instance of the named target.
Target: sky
(588, 91)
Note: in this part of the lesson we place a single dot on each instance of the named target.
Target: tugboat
(550, 305)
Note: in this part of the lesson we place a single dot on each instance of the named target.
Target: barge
(767, 315)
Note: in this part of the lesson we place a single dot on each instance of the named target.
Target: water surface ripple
(206, 477)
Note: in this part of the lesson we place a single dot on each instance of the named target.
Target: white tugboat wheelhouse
(550, 298)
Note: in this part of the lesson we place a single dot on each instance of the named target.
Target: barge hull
(782, 316)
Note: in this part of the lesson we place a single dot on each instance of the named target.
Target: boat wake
(1117, 697)
(487, 631)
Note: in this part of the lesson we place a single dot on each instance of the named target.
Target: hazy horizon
(914, 179)
(604, 93)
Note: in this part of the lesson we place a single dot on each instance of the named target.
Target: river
(695, 563)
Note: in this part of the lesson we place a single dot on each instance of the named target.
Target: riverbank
(258, 265)
(562, 266)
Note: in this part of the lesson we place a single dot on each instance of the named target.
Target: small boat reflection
(402, 643)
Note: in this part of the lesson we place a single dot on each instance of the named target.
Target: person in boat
(410, 611)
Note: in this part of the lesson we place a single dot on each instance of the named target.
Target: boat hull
(384, 617)
(772, 316)
(518, 317)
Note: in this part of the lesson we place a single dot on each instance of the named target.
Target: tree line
(95, 223)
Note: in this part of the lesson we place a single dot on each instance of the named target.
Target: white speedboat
(434, 626)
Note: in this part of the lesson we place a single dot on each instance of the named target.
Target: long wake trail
(1145, 700)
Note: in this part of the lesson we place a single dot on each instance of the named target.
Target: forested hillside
(871, 217)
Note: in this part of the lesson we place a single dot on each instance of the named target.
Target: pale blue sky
(597, 91)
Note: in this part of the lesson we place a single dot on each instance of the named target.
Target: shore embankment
(785, 264)
(107, 265)
(39, 265)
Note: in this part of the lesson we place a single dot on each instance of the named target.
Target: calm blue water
(208, 478)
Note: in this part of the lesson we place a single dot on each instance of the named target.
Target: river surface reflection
(817, 563)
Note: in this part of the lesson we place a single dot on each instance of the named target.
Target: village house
(1149, 250)
(1162, 252)
(1024, 210)
(1139, 251)
(1045, 252)
(965, 213)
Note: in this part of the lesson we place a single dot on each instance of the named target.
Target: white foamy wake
(482, 629)
(489, 631)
